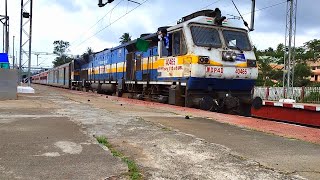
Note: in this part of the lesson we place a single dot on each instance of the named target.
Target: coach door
(130, 73)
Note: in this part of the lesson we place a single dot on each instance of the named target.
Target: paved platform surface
(36, 143)
(163, 143)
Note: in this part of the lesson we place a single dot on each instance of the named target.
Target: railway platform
(299, 113)
(166, 142)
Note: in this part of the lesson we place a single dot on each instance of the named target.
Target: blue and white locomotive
(207, 64)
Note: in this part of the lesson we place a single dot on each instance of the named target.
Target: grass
(132, 166)
(166, 129)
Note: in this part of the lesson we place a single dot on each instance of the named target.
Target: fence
(300, 94)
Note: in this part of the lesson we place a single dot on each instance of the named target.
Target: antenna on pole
(289, 53)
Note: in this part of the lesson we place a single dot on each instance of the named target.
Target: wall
(8, 84)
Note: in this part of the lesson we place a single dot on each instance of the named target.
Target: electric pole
(4, 19)
(289, 52)
(25, 41)
(13, 58)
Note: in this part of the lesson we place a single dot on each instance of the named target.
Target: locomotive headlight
(203, 60)
(234, 56)
(229, 56)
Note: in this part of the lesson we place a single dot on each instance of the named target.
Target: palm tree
(125, 38)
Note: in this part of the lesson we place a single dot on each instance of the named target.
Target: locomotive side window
(176, 43)
(205, 36)
(236, 40)
(179, 46)
(138, 62)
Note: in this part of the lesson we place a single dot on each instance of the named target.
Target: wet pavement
(162, 142)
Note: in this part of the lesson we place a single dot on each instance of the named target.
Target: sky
(84, 24)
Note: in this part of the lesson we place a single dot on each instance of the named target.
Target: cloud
(71, 20)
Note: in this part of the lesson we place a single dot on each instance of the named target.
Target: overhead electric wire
(148, 0)
(266, 7)
(210, 4)
(111, 23)
(97, 22)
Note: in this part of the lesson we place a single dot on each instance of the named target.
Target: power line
(98, 21)
(210, 4)
(266, 7)
(111, 23)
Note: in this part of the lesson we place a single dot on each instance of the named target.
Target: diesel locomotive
(201, 62)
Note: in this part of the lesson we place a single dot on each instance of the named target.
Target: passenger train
(209, 65)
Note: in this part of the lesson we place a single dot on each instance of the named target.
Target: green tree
(301, 73)
(125, 38)
(86, 55)
(58, 61)
(264, 71)
(313, 47)
(60, 49)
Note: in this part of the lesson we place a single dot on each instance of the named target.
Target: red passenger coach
(41, 78)
(44, 78)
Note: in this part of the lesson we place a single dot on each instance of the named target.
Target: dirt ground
(165, 145)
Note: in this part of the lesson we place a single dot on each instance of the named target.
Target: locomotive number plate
(241, 71)
(215, 70)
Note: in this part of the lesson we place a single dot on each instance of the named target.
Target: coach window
(179, 46)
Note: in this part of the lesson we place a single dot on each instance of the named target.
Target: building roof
(276, 66)
(314, 63)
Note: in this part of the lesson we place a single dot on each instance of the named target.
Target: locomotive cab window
(179, 46)
(236, 40)
(205, 36)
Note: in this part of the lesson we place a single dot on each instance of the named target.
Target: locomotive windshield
(236, 40)
(205, 36)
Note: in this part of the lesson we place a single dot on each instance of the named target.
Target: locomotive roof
(205, 20)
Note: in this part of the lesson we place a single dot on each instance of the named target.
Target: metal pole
(16, 58)
(30, 35)
(253, 14)
(3, 38)
(13, 58)
(20, 53)
(37, 60)
(290, 47)
(6, 27)
(8, 37)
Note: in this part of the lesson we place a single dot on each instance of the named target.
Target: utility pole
(7, 27)
(4, 19)
(37, 59)
(28, 33)
(253, 10)
(289, 53)
(13, 58)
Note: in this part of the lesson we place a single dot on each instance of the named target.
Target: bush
(313, 97)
